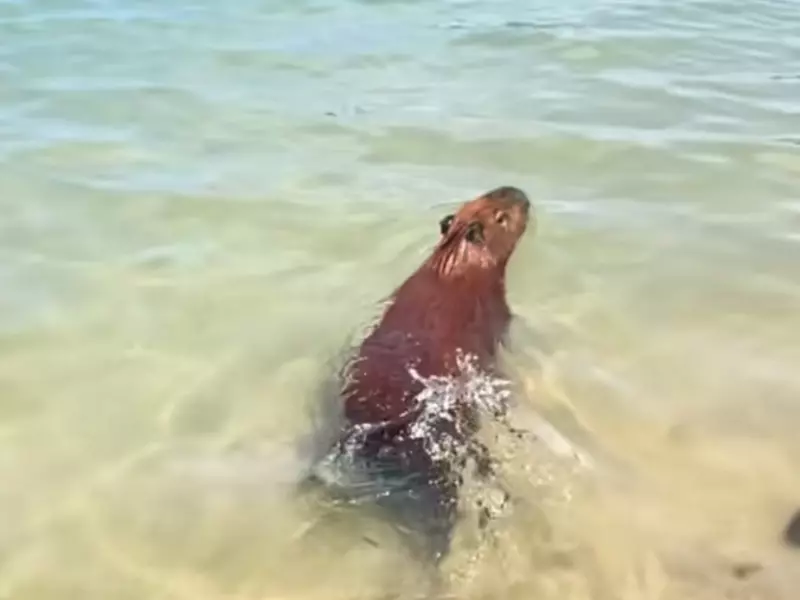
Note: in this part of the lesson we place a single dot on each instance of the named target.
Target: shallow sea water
(202, 203)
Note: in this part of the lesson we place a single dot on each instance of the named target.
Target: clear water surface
(202, 202)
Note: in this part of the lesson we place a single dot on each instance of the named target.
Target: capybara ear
(791, 535)
(444, 224)
(475, 233)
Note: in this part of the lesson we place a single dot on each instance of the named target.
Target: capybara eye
(501, 218)
(475, 233)
(444, 224)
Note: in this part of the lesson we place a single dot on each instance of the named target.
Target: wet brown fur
(455, 301)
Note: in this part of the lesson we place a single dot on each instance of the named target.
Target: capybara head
(484, 231)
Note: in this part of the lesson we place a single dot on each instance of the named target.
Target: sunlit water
(202, 203)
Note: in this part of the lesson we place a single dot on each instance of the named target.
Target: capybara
(453, 304)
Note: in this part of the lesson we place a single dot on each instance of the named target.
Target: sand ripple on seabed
(183, 521)
(658, 525)
(584, 524)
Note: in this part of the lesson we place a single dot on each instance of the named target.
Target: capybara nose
(512, 194)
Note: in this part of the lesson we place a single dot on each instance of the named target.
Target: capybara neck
(447, 311)
(454, 260)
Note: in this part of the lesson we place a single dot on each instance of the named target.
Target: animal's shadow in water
(791, 534)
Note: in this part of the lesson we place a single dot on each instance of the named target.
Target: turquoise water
(201, 202)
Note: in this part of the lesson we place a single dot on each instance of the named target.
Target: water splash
(443, 397)
(437, 427)
(477, 457)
